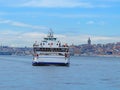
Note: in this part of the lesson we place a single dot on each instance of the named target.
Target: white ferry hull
(45, 61)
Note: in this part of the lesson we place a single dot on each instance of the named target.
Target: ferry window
(49, 49)
(54, 38)
(40, 49)
(45, 38)
(59, 50)
(43, 49)
(44, 41)
(53, 49)
(63, 49)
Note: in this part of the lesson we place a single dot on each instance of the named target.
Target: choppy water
(84, 73)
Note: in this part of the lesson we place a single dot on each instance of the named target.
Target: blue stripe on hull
(48, 64)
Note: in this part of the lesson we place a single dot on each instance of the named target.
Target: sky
(22, 22)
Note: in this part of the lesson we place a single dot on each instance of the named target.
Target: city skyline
(25, 21)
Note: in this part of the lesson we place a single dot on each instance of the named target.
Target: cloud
(56, 3)
(110, 0)
(96, 22)
(90, 22)
(102, 23)
(20, 24)
(33, 35)
(3, 13)
(61, 4)
(78, 15)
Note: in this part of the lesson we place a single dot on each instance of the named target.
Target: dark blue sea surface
(84, 73)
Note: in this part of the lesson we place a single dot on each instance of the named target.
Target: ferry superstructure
(50, 51)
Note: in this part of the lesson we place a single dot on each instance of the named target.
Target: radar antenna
(50, 33)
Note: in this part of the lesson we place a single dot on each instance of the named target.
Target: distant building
(89, 41)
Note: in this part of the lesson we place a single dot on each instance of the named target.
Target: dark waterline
(84, 73)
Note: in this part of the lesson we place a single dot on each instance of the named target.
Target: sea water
(84, 73)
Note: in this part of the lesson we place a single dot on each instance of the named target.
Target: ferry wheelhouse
(50, 51)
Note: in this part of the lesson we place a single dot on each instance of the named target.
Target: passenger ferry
(50, 51)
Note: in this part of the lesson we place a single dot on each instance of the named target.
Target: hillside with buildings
(6, 50)
(96, 49)
(88, 49)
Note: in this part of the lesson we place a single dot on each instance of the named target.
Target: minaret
(89, 41)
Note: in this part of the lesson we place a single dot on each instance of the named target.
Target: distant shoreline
(100, 55)
(108, 55)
